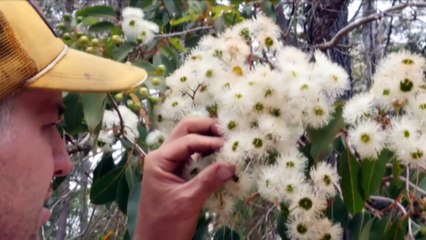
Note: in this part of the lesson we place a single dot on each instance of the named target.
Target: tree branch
(183, 32)
(365, 20)
(115, 106)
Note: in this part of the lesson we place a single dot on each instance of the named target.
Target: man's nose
(63, 165)
(62, 162)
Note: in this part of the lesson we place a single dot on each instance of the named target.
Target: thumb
(210, 180)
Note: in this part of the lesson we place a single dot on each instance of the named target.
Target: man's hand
(169, 206)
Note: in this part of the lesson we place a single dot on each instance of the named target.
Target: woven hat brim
(82, 72)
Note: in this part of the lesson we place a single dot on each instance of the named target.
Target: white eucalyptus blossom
(308, 203)
(402, 132)
(300, 227)
(155, 137)
(368, 139)
(111, 123)
(358, 108)
(134, 26)
(325, 229)
(325, 179)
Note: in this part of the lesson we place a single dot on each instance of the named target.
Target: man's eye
(57, 123)
(60, 122)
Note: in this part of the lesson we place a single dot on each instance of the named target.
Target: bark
(69, 6)
(369, 33)
(84, 212)
(324, 19)
(287, 36)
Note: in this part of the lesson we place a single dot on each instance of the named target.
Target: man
(35, 67)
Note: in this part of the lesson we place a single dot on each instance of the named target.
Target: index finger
(177, 153)
(198, 125)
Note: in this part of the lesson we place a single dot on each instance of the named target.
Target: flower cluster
(264, 95)
(135, 28)
(111, 124)
(392, 114)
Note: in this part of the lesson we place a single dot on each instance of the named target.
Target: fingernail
(224, 173)
(216, 129)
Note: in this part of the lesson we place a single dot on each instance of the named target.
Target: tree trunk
(324, 19)
(369, 32)
(69, 6)
(287, 36)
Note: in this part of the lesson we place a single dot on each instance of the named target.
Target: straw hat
(31, 56)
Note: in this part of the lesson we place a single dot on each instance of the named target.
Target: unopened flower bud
(156, 81)
(61, 26)
(143, 91)
(94, 42)
(119, 97)
(117, 39)
(83, 40)
(135, 106)
(90, 50)
(161, 69)
(66, 36)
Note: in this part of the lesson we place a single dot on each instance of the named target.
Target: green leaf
(145, 65)
(104, 166)
(57, 182)
(322, 139)
(101, 26)
(236, 2)
(121, 53)
(176, 43)
(396, 172)
(306, 150)
(172, 56)
(132, 208)
(127, 236)
(93, 108)
(337, 212)
(225, 233)
(379, 227)
(122, 194)
(173, 8)
(349, 170)
(191, 17)
(105, 188)
(219, 10)
(101, 10)
(165, 60)
(73, 115)
(355, 226)
(365, 233)
(396, 230)
(372, 172)
(269, 9)
(143, 133)
(231, 18)
(89, 21)
(281, 220)
(202, 227)
(131, 177)
(192, 40)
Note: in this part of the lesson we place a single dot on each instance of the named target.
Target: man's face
(29, 159)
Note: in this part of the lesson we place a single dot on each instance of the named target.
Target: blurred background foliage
(99, 199)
